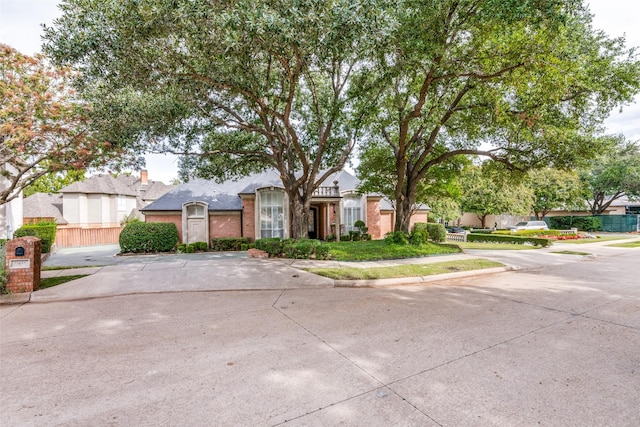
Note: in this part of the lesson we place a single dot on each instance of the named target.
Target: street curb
(381, 283)
(17, 298)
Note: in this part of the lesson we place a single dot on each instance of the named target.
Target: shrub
(143, 237)
(45, 231)
(244, 246)
(182, 248)
(229, 243)
(191, 248)
(498, 238)
(420, 226)
(322, 251)
(271, 245)
(331, 238)
(201, 246)
(395, 238)
(584, 223)
(345, 238)
(418, 237)
(436, 232)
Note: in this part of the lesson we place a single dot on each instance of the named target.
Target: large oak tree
(245, 85)
(523, 82)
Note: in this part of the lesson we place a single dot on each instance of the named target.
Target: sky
(20, 27)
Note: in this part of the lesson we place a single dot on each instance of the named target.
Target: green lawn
(600, 238)
(496, 246)
(54, 281)
(412, 270)
(375, 250)
(634, 244)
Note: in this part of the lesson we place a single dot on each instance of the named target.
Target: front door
(196, 231)
(313, 223)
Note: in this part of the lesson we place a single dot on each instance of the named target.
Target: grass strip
(67, 267)
(54, 281)
(635, 244)
(411, 270)
(596, 240)
(375, 250)
(496, 246)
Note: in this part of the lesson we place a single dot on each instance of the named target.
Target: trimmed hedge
(292, 248)
(44, 231)
(498, 238)
(229, 243)
(584, 223)
(144, 237)
(436, 232)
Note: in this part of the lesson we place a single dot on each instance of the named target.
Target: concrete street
(556, 343)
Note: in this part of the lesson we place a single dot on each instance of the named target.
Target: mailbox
(19, 251)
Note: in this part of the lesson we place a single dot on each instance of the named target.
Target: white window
(195, 211)
(352, 211)
(271, 214)
(122, 202)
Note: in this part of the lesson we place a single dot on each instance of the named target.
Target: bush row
(230, 244)
(144, 237)
(45, 231)
(293, 248)
(436, 232)
(499, 238)
(584, 223)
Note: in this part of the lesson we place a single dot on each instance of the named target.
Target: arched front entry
(195, 222)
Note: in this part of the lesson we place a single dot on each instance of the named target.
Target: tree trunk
(403, 214)
(299, 212)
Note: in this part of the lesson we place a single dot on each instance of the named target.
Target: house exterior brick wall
(224, 224)
(374, 221)
(386, 222)
(417, 217)
(249, 217)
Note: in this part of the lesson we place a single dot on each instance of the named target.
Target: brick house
(256, 206)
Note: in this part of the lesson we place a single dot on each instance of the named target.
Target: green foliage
(271, 245)
(346, 238)
(490, 190)
(418, 237)
(293, 248)
(144, 237)
(554, 189)
(379, 249)
(52, 182)
(230, 244)
(181, 248)
(497, 238)
(584, 223)
(45, 231)
(201, 246)
(612, 175)
(242, 85)
(191, 248)
(396, 238)
(437, 232)
(128, 219)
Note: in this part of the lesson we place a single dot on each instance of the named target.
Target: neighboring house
(256, 207)
(11, 212)
(90, 212)
(98, 201)
(43, 207)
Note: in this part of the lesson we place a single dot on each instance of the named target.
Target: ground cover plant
(496, 246)
(379, 249)
(413, 270)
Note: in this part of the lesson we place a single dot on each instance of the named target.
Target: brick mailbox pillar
(23, 264)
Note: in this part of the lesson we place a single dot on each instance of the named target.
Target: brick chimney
(144, 177)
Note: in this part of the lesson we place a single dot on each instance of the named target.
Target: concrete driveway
(557, 345)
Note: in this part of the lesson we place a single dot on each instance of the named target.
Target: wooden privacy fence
(77, 236)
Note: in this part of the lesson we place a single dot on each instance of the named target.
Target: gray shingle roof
(43, 205)
(99, 184)
(225, 196)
